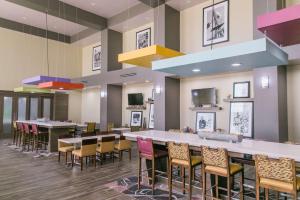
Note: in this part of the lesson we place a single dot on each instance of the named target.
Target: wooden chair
(216, 162)
(110, 125)
(276, 174)
(65, 148)
(123, 145)
(39, 137)
(179, 155)
(146, 150)
(106, 146)
(20, 133)
(88, 149)
(91, 128)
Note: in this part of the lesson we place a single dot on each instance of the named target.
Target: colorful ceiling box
(144, 57)
(61, 85)
(41, 79)
(24, 89)
(239, 57)
(282, 26)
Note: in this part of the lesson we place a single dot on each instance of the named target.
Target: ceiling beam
(24, 28)
(153, 3)
(65, 11)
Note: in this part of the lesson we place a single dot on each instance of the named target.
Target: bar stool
(276, 174)
(216, 162)
(26, 136)
(146, 150)
(123, 145)
(179, 155)
(20, 133)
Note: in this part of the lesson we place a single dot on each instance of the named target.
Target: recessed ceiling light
(24, 18)
(236, 64)
(188, 1)
(196, 70)
(93, 3)
(61, 88)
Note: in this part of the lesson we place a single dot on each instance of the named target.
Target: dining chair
(65, 148)
(110, 126)
(106, 146)
(179, 155)
(147, 151)
(88, 149)
(90, 129)
(216, 162)
(123, 145)
(276, 174)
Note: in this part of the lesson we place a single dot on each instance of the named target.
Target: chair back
(88, 134)
(124, 144)
(26, 128)
(34, 129)
(110, 125)
(107, 144)
(179, 151)
(91, 127)
(19, 126)
(282, 169)
(215, 157)
(135, 128)
(145, 147)
(88, 147)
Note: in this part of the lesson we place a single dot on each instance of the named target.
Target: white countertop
(247, 146)
(49, 124)
(121, 129)
(78, 140)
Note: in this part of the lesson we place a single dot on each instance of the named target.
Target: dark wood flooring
(23, 177)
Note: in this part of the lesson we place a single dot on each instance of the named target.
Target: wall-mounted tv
(206, 96)
(135, 99)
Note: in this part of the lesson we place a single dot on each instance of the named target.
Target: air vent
(128, 75)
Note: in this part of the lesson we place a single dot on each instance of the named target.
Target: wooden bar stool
(179, 155)
(216, 162)
(146, 150)
(20, 133)
(276, 174)
(26, 136)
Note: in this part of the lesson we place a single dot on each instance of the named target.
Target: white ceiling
(184, 4)
(34, 18)
(104, 8)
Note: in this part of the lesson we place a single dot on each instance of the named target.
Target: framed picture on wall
(241, 118)
(143, 38)
(216, 23)
(241, 89)
(205, 121)
(151, 117)
(96, 58)
(136, 119)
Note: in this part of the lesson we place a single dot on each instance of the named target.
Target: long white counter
(272, 149)
(49, 124)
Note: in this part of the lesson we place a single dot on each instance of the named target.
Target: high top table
(55, 129)
(247, 146)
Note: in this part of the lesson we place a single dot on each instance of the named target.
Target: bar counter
(247, 146)
(55, 129)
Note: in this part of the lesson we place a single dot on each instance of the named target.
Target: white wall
(240, 25)
(224, 85)
(129, 39)
(87, 60)
(75, 106)
(146, 89)
(90, 108)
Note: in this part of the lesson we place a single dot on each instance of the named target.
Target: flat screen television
(206, 96)
(135, 99)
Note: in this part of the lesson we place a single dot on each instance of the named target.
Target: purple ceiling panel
(41, 79)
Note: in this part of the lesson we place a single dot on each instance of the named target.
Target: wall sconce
(158, 89)
(103, 94)
(265, 82)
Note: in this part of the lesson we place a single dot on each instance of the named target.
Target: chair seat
(280, 185)
(195, 160)
(234, 168)
(66, 149)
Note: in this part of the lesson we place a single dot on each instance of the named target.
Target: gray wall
(60, 107)
(270, 105)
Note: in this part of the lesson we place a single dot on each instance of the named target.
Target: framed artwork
(206, 121)
(151, 117)
(241, 89)
(241, 118)
(96, 58)
(216, 23)
(143, 38)
(136, 119)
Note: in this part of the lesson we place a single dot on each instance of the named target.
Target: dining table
(78, 140)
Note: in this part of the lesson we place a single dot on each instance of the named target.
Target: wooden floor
(23, 177)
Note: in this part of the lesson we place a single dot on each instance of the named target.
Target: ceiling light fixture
(93, 3)
(196, 70)
(236, 64)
